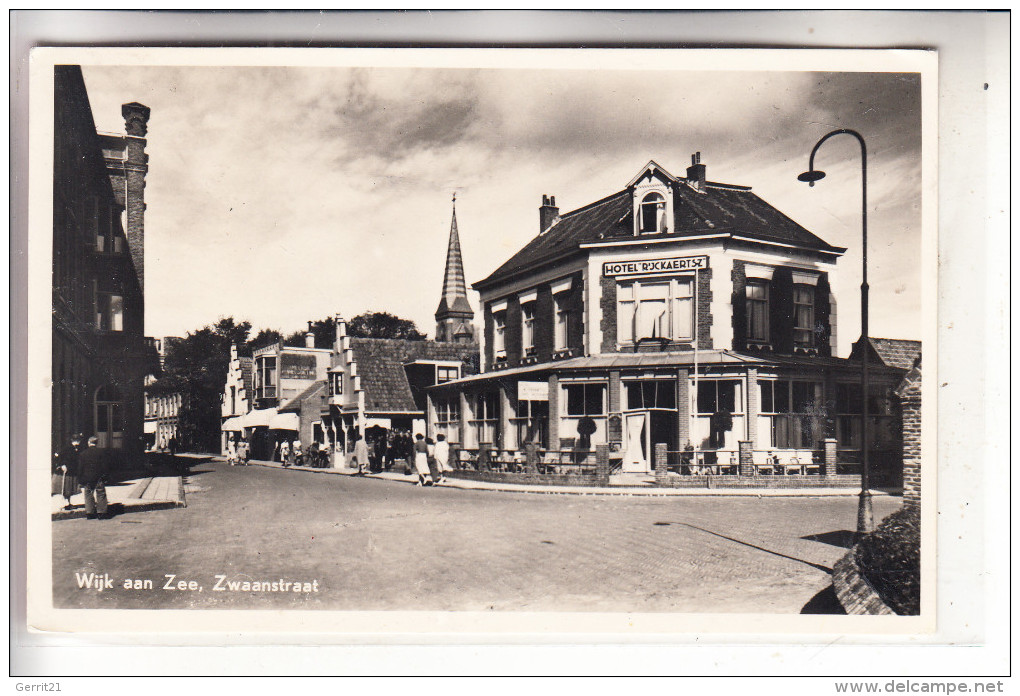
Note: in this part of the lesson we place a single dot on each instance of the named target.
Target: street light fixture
(865, 517)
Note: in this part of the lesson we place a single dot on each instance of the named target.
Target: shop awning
(378, 422)
(258, 418)
(285, 421)
(235, 424)
(150, 426)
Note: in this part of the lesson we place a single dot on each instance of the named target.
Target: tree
(196, 368)
(324, 331)
(262, 339)
(383, 325)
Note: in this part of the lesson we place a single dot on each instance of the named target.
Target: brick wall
(738, 300)
(607, 309)
(704, 309)
(910, 402)
(513, 332)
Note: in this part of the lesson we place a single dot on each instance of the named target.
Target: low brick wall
(840, 481)
(853, 591)
(528, 479)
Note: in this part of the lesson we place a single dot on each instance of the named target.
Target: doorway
(109, 416)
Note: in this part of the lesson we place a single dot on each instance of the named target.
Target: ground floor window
(485, 424)
(448, 418)
(532, 423)
(794, 412)
(584, 414)
(647, 394)
(719, 405)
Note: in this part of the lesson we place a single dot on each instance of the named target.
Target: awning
(285, 421)
(235, 424)
(258, 418)
(150, 426)
(378, 422)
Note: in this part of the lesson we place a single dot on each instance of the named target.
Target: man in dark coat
(91, 475)
(65, 468)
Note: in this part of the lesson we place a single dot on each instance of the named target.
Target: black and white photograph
(488, 334)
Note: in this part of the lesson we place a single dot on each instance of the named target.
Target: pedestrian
(242, 452)
(285, 453)
(360, 454)
(231, 452)
(92, 477)
(430, 446)
(442, 454)
(421, 460)
(65, 470)
(173, 445)
(295, 453)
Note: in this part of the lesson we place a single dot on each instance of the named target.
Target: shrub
(890, 560)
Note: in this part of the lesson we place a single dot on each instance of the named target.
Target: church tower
(454, 317)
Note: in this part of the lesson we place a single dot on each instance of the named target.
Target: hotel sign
(646, 266)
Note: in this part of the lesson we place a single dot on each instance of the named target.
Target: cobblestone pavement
(372, 544)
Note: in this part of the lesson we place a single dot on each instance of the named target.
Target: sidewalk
(137, 495)
(640, 489)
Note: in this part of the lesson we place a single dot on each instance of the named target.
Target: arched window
(653, 212)
(109, 417)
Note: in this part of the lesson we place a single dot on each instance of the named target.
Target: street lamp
(865, 518)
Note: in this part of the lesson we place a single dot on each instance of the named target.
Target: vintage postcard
(364, 342)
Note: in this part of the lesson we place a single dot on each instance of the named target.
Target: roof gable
(895, 352)
(381, 370)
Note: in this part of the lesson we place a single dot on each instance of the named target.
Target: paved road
(371, 544)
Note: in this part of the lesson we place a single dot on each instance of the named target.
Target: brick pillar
(615, 430)
(683, 404)
(554, 412)
(829, 464)
(602, 464)
(753, 407)
(661, 472)
(531, 457)
(746, 458)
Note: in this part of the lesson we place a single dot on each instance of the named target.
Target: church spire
(454, 315)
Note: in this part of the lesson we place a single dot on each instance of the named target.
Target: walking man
(360, 454)
(91, 476)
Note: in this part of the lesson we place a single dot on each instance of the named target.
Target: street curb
(649, 492)
(854, 592)
(136, 493)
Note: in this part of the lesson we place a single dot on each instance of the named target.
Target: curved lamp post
(865, 520)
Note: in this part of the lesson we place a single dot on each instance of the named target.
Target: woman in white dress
(421, 460)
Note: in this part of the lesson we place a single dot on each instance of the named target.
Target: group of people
(291, 453)
(82, 468)
(431, 459)
(238, 453)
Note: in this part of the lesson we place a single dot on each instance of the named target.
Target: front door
(635, 457)
(109, 425)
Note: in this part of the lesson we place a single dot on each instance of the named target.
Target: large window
(804, 316)
(648, 394)
(265, 375)
(528, 328)
(653, 213)
(560, 330)
(586, 399)
(109, 312)
(109, 417)
(103, 222)
(336, 383)
(654, 309)
(499, 334)
(486, 420)
(757, 311)
(448, 417)
(532, 422)
(796, 411)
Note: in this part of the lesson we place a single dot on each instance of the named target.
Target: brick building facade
(100, 354)
(678, 311)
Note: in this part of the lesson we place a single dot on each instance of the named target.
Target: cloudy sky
(283, 194)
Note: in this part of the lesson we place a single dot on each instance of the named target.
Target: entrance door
(662, 428)
(635, 458)
(109, 418)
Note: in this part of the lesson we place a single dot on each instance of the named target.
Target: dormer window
(653, 213)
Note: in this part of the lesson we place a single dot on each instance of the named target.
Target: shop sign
(532, 391)
(646, 266)
(297, 366)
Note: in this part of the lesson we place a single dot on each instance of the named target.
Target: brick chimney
(136, 166)
(341, 332)
(309, 337)
(696, 172)
(548, 213)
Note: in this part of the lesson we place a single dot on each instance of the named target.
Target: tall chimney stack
(136, 165)
(696, 172)
(548, 213)
(309, 337)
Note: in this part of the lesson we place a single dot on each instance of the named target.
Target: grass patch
(890, 560)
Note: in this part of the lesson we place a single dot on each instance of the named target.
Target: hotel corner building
(100, 353)
(678, 311)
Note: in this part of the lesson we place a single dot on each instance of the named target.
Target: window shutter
(781, 310)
